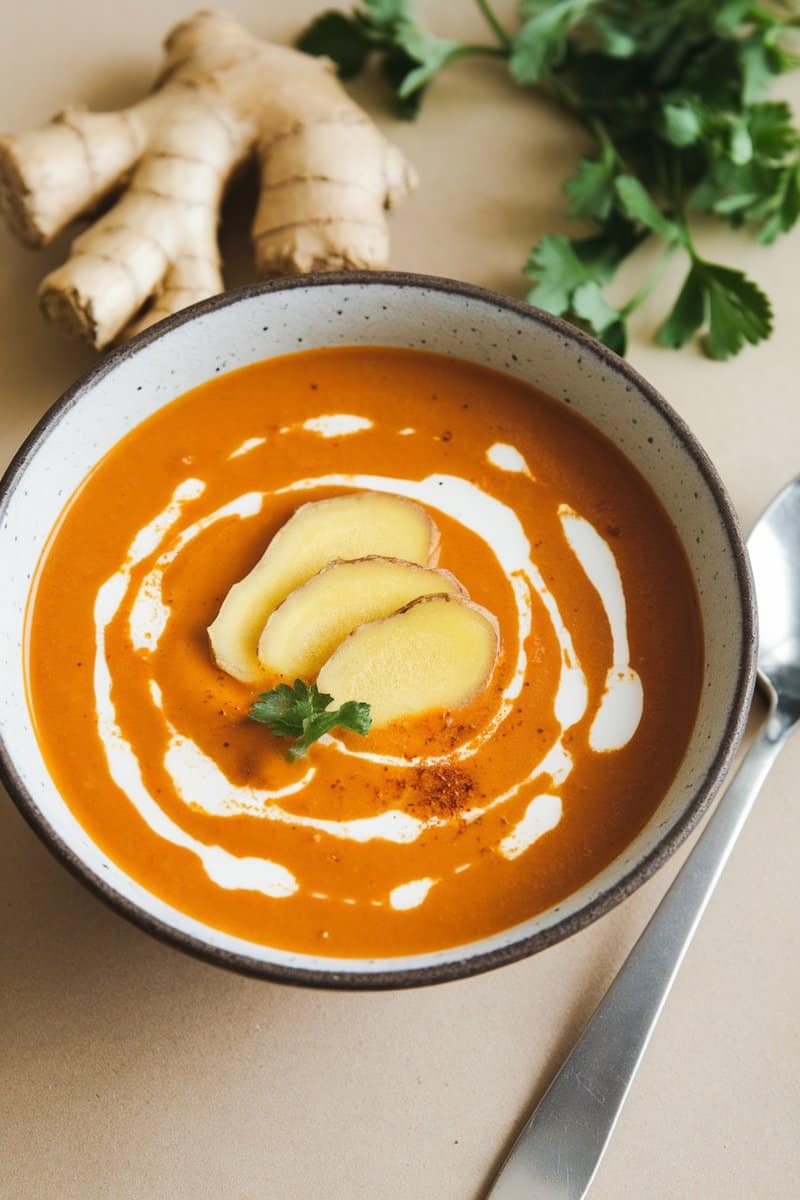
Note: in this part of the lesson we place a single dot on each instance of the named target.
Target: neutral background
(129, 1071)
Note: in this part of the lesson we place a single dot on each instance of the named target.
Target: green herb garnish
(672, 95)
(299, 712)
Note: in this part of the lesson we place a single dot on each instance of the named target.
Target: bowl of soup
(367, 630)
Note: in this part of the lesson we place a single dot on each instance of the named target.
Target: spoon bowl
(774, 549)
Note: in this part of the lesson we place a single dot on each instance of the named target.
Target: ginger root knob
(327, 175)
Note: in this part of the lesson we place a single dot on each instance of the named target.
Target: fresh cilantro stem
(650, 285)
(675, 176)
(496, 26)
(473, 49)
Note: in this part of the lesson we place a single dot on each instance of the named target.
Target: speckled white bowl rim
(371, 308)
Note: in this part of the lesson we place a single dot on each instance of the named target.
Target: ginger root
(326, 176)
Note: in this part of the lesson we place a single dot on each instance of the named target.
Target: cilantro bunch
(672, 93)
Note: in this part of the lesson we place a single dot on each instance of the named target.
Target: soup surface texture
(424, 834)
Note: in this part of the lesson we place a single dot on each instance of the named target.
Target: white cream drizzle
(150, 536)
(337, 424)
(508, 458)
(557, 763)
(410, 895)
(542, 814)
(247, 445)
(620, 711)
(202, 786)
(149, 614)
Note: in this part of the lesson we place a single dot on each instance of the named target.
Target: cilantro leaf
(541, 43)
(569, 275)
(736, 309)
(430, 53)
(560, 265)
(396, 67)
(591, 191)
(558, 271)
(596, 314)
(413, 55)
(340, 38)
(757, 67)
(280, 708)
(681, 122)
(611, 38)
(638, 206)
(784, 208)
(688, 312)
(730, 15)
(301, 712)
(410, 55)
(772, 131)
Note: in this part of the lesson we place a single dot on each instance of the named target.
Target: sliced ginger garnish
(315, 618)
(345, 527)
(436, 653)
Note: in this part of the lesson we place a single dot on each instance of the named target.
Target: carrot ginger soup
(477, 589)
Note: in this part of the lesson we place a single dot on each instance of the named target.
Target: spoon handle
(559, 1150)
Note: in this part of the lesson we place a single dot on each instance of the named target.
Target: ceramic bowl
(383, 309)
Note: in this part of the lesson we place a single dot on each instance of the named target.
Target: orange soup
(432, 829)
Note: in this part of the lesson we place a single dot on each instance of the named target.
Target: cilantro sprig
(410, 56)
(302, 712)
(673, 98)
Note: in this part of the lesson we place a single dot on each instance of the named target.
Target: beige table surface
(130, 1071)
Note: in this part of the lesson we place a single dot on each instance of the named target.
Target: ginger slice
(327, 175)
(436, 653)
(315, 618)
(349, 526)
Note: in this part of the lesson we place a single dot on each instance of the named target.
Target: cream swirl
(202, 785)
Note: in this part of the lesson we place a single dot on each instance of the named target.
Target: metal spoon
(558, 1152)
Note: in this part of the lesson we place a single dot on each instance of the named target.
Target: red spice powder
(441, 790)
